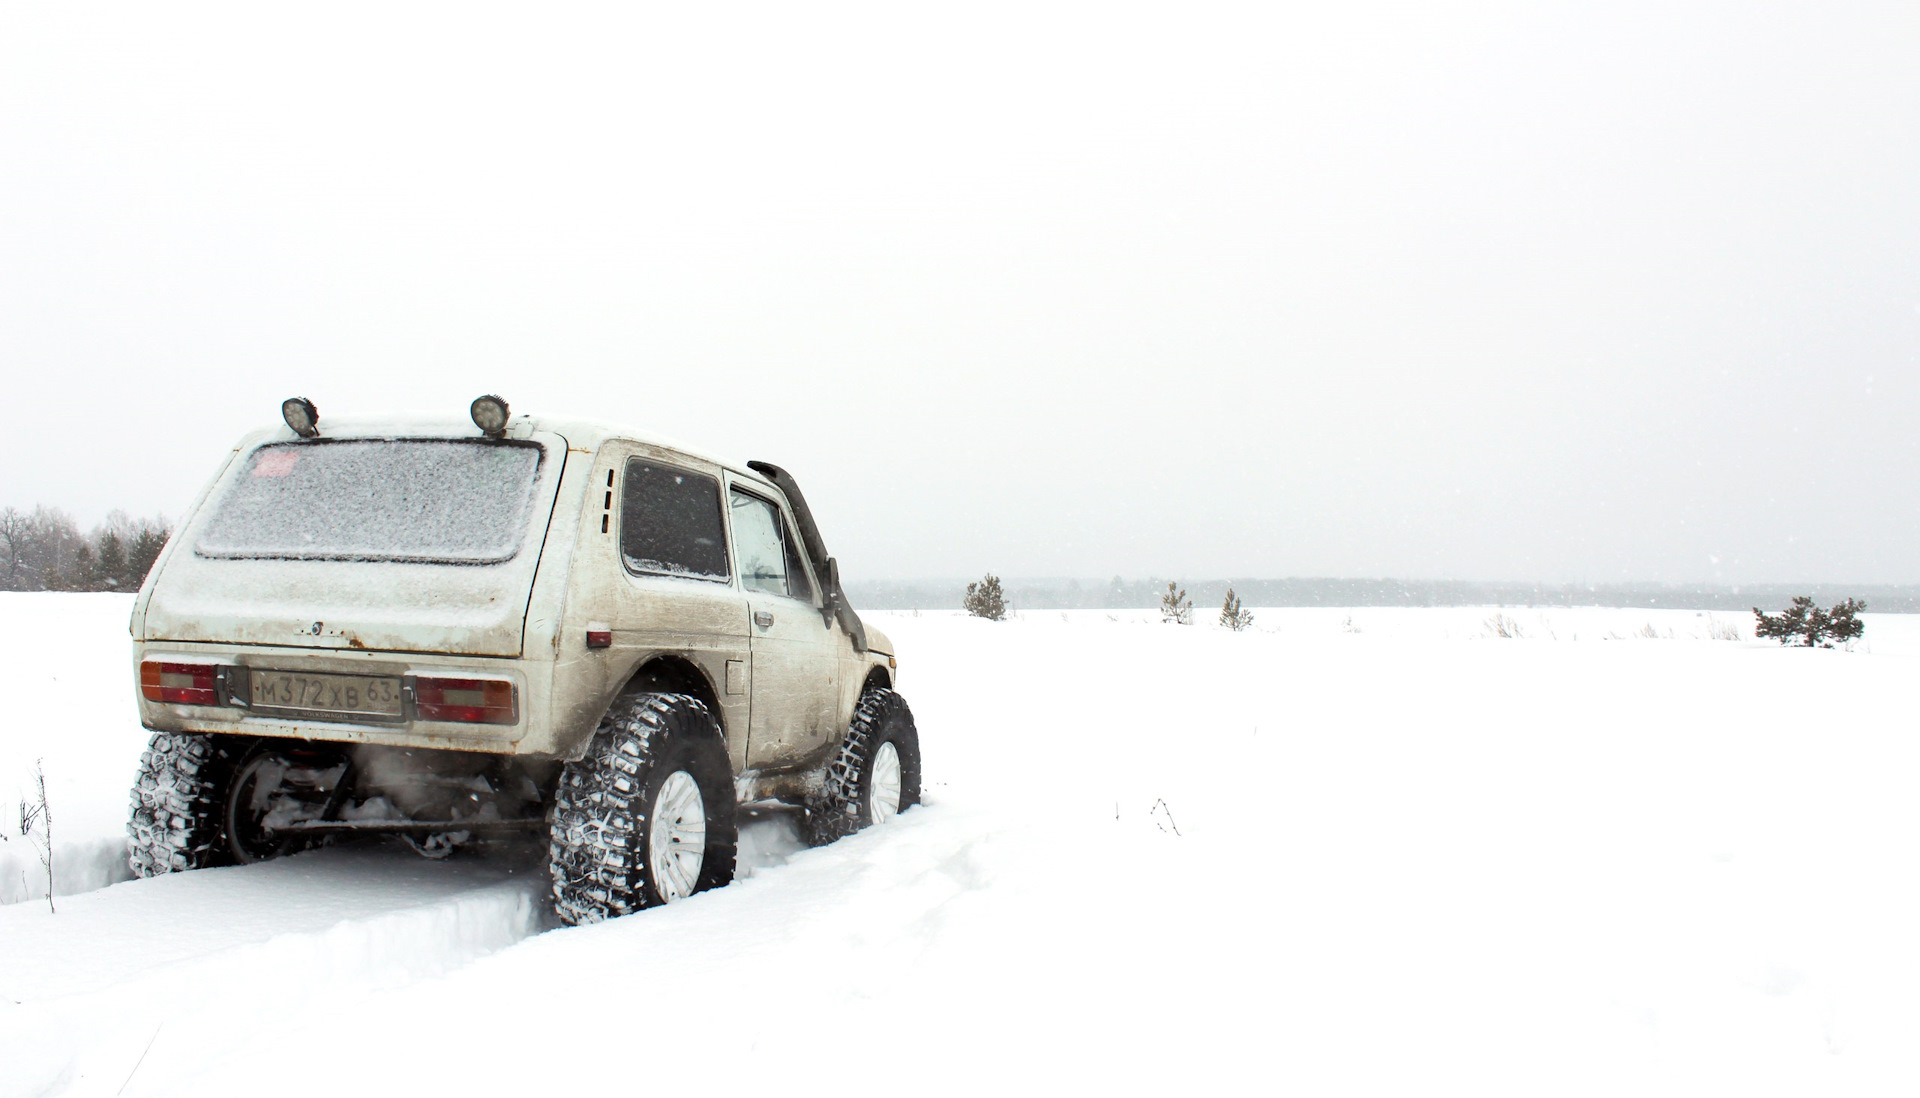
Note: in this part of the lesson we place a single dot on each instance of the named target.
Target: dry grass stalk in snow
(1504, 627)
(1724, 630)
(36, 825)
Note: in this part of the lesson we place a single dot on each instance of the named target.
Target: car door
(795, 666)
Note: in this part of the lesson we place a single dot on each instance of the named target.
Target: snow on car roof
(581, 434)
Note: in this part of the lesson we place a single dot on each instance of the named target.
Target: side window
(670, 522)
(760, 544)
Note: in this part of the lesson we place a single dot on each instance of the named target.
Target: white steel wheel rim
(677, 841)
(886, 783)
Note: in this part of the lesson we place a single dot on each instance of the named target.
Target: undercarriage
(287, 795)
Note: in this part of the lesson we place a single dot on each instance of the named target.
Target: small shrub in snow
(1175, 606)
(1231, 614)
(986, 600)
(1807, 625)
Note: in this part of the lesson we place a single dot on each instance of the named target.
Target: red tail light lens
(469, 701)
(183, 683)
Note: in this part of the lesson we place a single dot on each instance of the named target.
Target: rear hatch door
(409, 543)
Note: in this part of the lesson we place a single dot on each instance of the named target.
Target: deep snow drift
(1366, 851)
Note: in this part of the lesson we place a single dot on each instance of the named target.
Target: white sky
(1515, 291)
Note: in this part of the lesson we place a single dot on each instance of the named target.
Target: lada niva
(450, 631)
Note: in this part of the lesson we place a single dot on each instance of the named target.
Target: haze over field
(1469, 291)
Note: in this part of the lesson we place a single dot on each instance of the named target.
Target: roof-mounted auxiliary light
(301, 415)
(490, 415)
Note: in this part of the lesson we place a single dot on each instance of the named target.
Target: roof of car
(581, 434)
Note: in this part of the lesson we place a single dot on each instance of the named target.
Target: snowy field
(1377, 851)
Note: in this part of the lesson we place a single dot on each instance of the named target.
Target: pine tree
(144, 551)
(1175, 606)
(986, 600)
(1806, 625)
(112, 568)
(1232, 616)
(81, 575)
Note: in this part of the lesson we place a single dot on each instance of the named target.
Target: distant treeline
(1124, 594)
(45, 551)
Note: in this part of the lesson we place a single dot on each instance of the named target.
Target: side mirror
(831, 604)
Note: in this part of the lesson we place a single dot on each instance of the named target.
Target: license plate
(348, 695)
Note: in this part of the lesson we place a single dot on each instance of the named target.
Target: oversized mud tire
(866, 780)
(178, 800)
(655, 762)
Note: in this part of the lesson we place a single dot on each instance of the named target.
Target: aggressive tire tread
(598, 828)
(842, 808)
(177, 800)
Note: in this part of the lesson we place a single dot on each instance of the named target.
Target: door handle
(763, 619)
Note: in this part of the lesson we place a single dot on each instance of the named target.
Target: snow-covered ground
(1349, 852)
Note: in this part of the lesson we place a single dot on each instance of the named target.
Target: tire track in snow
(218, 955)
(141, 980)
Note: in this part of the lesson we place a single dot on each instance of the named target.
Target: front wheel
(875, 776)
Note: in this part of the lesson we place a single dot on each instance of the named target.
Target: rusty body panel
(525, 620)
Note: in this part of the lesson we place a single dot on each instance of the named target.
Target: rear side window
(432, 501)
(670, 522)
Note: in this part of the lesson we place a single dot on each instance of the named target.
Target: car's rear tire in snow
(876, 774)
(179, 797)
(276, 779)
(647, 816)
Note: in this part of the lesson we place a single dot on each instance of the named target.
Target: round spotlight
(301, 415)
(490, 415)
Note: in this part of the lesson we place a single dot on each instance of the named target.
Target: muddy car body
(436, 630)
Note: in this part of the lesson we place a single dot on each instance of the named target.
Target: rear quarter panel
(703, 623)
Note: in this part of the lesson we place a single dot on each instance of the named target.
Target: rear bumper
(236, 716)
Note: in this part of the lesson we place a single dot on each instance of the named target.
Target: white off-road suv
(450, 631)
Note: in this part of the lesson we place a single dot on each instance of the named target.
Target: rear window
(435, 501)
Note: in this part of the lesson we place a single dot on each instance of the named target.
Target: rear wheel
(276, 785)
(876, 775)
(647, 816)
(178, 799)
(202, 801)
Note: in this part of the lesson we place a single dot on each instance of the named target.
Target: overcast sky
(1522, 291)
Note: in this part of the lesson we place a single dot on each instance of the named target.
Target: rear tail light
(469, 701)
(182, 683)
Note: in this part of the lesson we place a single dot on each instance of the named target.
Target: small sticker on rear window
(275, 463)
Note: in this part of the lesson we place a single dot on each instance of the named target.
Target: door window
(764, 549)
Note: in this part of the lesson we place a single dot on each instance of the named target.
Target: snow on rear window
(445, 501)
